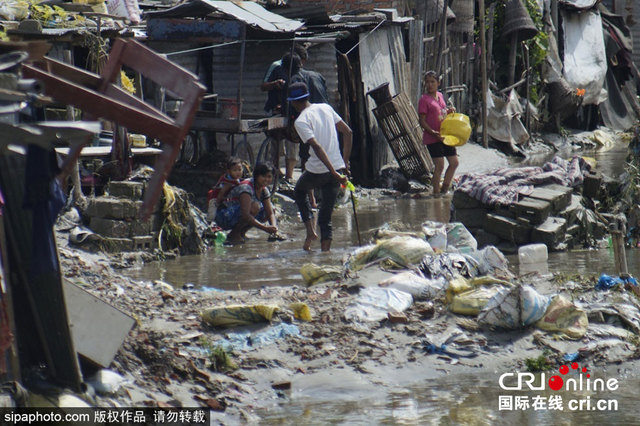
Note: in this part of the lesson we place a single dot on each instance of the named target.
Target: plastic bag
(237, 315)
(417, 286)
(460, 284)
(402, 250)
(490, 260)
(356, 260)
(14, 10)
(436, 233)
(314, 274)
(459, 237)
(564, 316)
(374, 303)
(473, 301)
(514, 308)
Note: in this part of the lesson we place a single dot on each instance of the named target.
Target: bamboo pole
(483, 72)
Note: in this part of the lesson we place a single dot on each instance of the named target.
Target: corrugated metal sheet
(226, 63)
(254, 14)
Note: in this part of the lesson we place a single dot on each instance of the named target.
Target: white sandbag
(417, 286)
(514, 308)
(374, 303)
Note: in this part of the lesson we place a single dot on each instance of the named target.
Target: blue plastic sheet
(606, 282)
(245, 340)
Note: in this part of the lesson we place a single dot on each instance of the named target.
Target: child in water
(218, 194)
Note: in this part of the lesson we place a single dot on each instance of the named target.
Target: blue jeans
(329, 188)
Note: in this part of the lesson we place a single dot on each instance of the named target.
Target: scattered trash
(606, 282)
(315, 274)
(563, 316)
(237, 315)
(374, 303)
(460, 284)
(625, 313)
(419, 287)
(514, 308)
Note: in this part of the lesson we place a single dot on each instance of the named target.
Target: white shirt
(319, 121)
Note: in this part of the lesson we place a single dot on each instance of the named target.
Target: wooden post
(78, 196)
(241, 71)
(490, 68)
(441, 40)
(483, 72)
(527, 114)
(619, 254)
(513, 50)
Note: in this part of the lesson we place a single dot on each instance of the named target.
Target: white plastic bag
(490, 259)
(459, 237)
(417, 286)
(374, 304)
(436, 233)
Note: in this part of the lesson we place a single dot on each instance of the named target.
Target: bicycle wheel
(270, 153)
(243, 151)
(189, 149)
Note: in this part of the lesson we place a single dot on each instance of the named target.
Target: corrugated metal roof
(254, 14)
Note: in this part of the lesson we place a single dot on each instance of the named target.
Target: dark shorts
(438, 149)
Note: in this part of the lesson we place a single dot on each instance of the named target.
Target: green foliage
(538, 47)
(541, 363)
(220, 359)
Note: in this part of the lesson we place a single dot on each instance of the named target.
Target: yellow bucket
(455, 129)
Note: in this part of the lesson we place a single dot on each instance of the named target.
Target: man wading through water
(318, 125)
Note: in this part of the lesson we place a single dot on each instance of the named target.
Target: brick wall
(337, 6)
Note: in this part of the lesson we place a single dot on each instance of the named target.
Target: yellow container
(138, 141)
(455, 129)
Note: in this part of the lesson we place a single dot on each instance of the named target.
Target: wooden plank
(98, 328)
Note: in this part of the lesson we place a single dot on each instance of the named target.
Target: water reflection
(469, 399)
(261, 263)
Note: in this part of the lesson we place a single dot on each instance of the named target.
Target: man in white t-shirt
(318, 125)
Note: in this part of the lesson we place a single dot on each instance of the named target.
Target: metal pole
(483, 73)
(242, 54)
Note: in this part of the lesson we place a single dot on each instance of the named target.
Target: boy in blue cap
(318, 125)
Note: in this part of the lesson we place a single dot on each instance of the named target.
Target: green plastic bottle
(221, 237)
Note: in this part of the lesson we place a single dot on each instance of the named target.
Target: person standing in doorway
(432, 109)
(318, 125)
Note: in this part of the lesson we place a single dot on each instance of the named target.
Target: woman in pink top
(432, 110)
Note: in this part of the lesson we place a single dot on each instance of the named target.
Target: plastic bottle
(221, 237)
(533, 253)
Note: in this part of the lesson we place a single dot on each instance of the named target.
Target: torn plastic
(459, 237)
(448, 265)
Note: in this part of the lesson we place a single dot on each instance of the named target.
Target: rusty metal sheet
(255, 15)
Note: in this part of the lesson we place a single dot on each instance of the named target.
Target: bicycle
(269, 152)
(243, 151)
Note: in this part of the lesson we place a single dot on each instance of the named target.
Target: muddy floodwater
(452, 399)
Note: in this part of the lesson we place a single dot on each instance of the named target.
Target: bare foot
(307, 243)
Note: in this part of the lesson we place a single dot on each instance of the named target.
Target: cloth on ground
(504, 186)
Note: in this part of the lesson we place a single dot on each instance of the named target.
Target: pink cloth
(436, 111)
